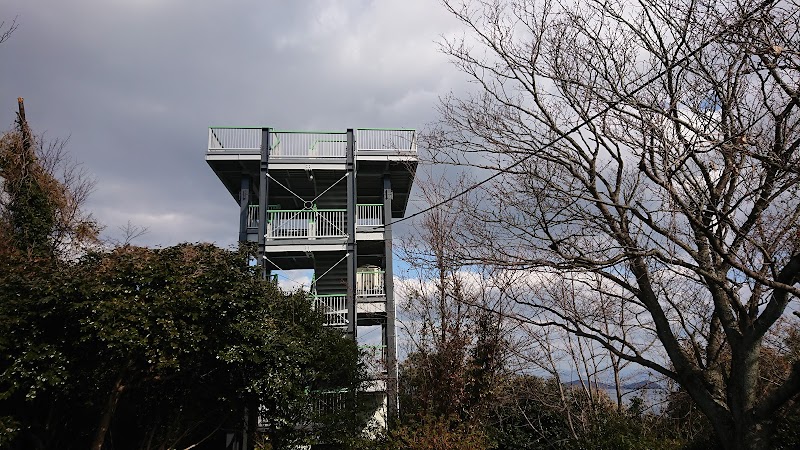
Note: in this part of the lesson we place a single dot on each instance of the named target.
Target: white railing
(369, 215)
(330, 402)
(370, 283)
(308, 145)
(333, 308)
(386, 140)
(252, 216)
(315, 223)
(300, 144)
(224, 138)
(312, 223)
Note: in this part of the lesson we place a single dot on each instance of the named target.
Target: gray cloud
(134, 84)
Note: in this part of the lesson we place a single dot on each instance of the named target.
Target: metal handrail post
(352, 251)
(392, 401)
(263, 196)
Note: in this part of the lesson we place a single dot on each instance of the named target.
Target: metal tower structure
(325, 201)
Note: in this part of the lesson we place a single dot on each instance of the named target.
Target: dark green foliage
(176, 330)
(433, 382)
(33, 356)
(169, 345)
(29, 211)
(136, 348)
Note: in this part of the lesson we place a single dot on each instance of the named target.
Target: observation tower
(325, 201)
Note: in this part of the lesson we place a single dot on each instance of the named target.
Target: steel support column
(390, 334)
(352, 248)
(263, 197)
(244, 207)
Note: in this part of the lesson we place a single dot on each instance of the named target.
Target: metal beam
(244, 206)
(390, 332)
(352, 249)
(263, 197)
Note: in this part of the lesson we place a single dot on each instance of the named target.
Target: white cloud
(293, 280)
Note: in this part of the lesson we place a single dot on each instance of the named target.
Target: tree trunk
(752, 436)
(741, 430)
(742, 388)
(108, 414)
(743, 436)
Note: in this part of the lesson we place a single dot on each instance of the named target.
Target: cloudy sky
(134, 84)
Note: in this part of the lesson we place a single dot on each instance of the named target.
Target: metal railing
(370, 283)
(289, 144)
(252, 216)
(329, 402)
(333, 308)
(307, 223)
(369, 215)
(315, 222)
(311, 144)
(234, 138)
(386, 139)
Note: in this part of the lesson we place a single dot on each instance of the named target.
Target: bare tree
(646, 152)
(129, 232)
(451, 318)
(452, 309)
(5, 31)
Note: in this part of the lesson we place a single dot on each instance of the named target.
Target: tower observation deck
(325, 201)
